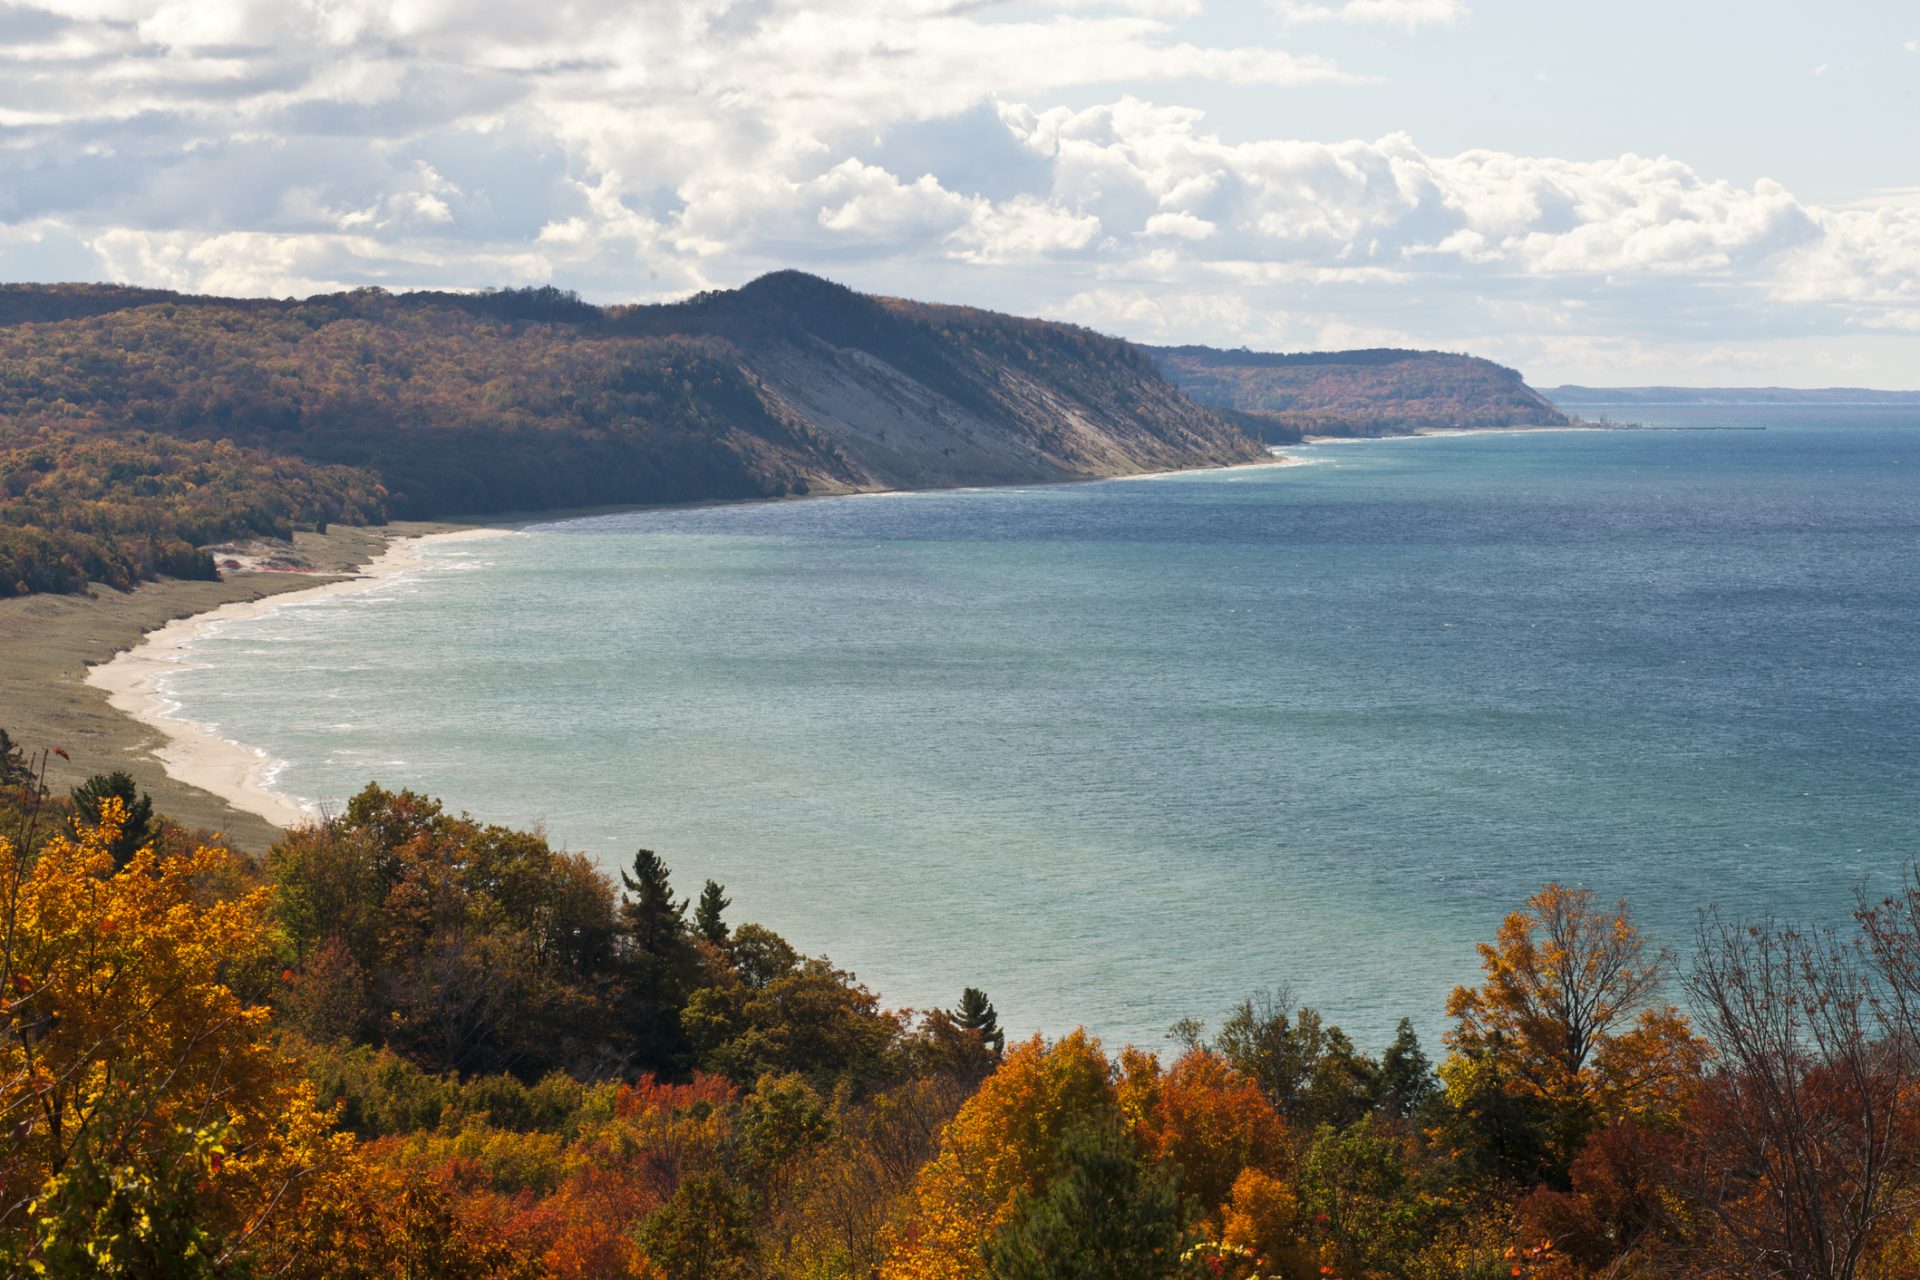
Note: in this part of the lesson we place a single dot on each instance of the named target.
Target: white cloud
(1410, 14)
(1030, 157)
(1179, 224)
(1024, 229)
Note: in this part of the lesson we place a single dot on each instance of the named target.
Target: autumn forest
(403, 1042)
(138, 425)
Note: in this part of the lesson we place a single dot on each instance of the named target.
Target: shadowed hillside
(135, 421)
(1383, 391)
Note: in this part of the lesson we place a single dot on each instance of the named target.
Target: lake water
(1127, 751)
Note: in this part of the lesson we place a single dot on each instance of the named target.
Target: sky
(1698, 192)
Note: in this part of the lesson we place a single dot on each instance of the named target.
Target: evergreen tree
(658, 958)
(707, 919)
(1103, 1217)
(654, 922)
(88, 798)
(1407, 1081)
(976, 1013)
(15, 771)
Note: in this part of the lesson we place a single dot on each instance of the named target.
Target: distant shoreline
(83, 672)
(134, 681)
(1429, 433)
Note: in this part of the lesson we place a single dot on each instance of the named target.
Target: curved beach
(135, 683)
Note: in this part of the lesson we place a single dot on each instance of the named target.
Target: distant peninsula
(1282, 397)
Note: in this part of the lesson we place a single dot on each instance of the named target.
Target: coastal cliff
(137, 426)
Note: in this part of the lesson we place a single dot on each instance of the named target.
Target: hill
(1576, 395)
(137, 424)
(1382, 391)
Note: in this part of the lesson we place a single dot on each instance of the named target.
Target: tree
(815, 1021)
(1806, 1137)
(704, 1232)
(1103, 1216)
(657, 961)
(654, 923)
(761, 956)
(1407, 1083)
(1309, 1070)
(153, 1128)
(15, 769)
(1561, 978)
(976, 1013)
(1204, 1119)
(136, 829)
(1003, 1143)
(708, 921)
(1354, 1185)
(1565, 1026)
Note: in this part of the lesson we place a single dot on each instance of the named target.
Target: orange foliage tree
(1001, 1145)
(1206, 1119)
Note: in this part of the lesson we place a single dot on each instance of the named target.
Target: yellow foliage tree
(1569, 1017)
(150, 1127)
(1000, 1144)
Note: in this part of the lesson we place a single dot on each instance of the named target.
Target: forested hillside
(408, 1043)
(119, 408)
(1383, 391)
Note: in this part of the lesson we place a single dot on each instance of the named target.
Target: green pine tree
(976, 1013)
(1406, 1077)
(88, 798)
(707, 919)
(659, 959)
(653, 921)
(1105, 1216)
(15, 770)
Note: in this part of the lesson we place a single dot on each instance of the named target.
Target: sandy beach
(87, 673)
(135, 683)
(48, 643)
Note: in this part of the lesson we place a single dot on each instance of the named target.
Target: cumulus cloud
(1028, 157)
(1409, 14)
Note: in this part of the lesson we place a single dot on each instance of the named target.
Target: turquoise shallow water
(1126, 751)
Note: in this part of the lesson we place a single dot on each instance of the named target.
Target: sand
(135, 682)
(48, 642)
(61, 684)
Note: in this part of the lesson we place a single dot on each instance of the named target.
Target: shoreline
(1432, 433)
(193, 754)
(114, 696)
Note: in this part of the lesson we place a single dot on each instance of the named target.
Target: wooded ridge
(136, 424)
(1375, 392)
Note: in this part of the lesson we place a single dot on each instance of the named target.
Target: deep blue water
(1126, 751)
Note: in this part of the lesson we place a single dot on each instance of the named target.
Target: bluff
(136, 424)
(1382, 391)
